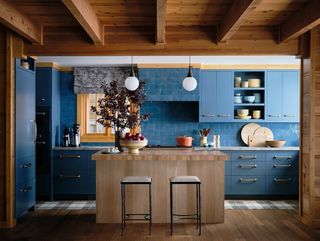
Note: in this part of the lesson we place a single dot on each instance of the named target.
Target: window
(91, 131)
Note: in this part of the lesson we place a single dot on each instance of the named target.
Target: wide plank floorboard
(79, 225)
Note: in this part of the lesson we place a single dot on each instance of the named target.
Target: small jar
(256, 114)
(244, 84)
(25, 64)
(237, 82)
(237, 98)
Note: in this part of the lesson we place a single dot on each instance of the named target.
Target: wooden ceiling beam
(86, 16)
(19, 23)
(234, 18)
(161, 22)
(300, 22)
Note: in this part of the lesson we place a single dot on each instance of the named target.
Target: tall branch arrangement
(120, 108)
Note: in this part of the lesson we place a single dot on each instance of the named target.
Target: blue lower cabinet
(25, 169)
(248, 168)
(248, 185)
(92, 185)
(227, 168)
(70, 182)
(282, 163)
(227, 185)
(282, 185)
(25, 197)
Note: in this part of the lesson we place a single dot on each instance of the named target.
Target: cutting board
(248, 130)
(257, 141)
(264, 131)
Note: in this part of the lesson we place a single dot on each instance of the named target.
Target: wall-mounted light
(189, 83)
(131, 82)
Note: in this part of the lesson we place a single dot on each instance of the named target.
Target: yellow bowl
(133, 146)
(243, 112)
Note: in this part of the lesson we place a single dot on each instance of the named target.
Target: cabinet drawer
(91, 163)
(25, 169)
(92, 185)
(282, 156)
(249, 185)
(248, 156)
(227, 168)
(70, 160)
(70, 182)
(282, 163)
(227, 185)
(25, 197)
(248, 168)
(282, 185)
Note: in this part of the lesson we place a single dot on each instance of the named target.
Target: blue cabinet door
(208, 98)
(291, 94)
(43, 86)
(224, 95)
(274, 90)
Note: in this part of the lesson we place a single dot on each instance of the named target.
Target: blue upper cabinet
(216, 96)
(282, 96)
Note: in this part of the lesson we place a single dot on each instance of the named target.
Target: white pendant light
(189, 83)
(131, 82)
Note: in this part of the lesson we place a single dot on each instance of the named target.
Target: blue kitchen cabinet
(216, 96)
(25, 137)
(282, 96)
(48, 121)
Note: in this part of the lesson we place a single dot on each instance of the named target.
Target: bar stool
(139, 180)
(186, 180)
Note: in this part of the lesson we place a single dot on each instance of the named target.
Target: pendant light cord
(132, 70)
(190, 69)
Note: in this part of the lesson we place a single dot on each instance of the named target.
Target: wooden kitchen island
(160, 164)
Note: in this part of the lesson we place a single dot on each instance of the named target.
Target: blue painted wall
(171, 119)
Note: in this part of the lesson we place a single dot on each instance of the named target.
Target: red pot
(184, 141)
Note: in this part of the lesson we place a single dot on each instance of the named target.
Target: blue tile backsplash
(171, 119)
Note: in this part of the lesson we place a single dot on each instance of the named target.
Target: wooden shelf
(261, 88)
(249, 104)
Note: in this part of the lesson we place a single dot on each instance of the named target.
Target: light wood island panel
(160, 164)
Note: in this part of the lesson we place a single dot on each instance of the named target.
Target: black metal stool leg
(199, 209)
(197, 202)
(122, 210)
(150, 209)
(171, 211)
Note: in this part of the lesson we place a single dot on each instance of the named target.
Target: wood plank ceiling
(168, 27)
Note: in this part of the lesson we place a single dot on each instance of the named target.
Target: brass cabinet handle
(26, 165)
(61, 176)
(69, 156)
(247, 157)
(248, 180)
(282, 157)
(289, 115)
(40, 113)
(281, 180)
(282, 165)
(274, 115)
(26, 189)
(248, 165)
(208, 115)
(41, 142)
(223, 116)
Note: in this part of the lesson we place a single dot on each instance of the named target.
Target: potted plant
(120, 108)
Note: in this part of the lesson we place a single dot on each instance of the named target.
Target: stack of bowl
(243, 114)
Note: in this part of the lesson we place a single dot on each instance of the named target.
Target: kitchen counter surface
(223, 148)
(164, 154)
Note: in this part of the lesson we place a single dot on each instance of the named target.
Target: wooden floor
(79, 225)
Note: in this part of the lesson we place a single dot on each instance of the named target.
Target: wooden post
(310, 129)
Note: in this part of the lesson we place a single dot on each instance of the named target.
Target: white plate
(244, 118)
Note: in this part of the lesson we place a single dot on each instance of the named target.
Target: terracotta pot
(184, 141)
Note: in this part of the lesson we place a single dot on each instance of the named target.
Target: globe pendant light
(189, 83)
(131, 82)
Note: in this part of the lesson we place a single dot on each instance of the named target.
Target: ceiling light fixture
(131, 82)
(189, 83)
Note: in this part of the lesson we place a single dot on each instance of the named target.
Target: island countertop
(160, 165)
(163, 155)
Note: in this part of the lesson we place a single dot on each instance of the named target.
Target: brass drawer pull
(26, 189)
(247, 157)
(281, 180)
(61, 176)
(223, 116)
(289, 115)
(248, 180)
(276, 116)
(208, 115)
(282, 165)
(248, 166)
(282, 157)
(26, 165)
(69, 156)
(41, 142)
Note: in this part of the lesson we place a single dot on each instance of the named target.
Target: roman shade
(88, 80)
